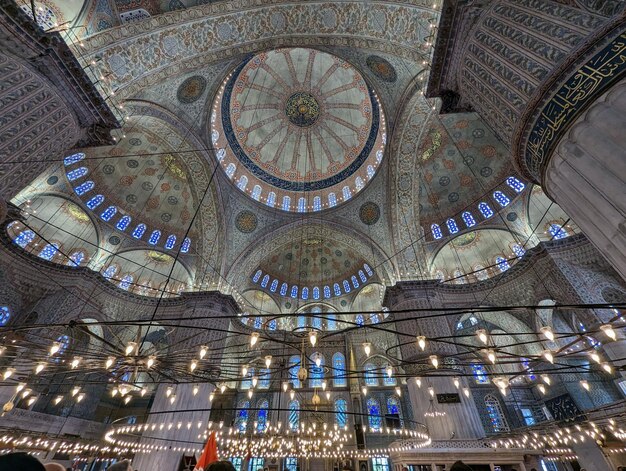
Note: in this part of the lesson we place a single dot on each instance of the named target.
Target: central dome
(298, 129)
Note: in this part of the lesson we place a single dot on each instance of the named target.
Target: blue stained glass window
(358, 182)
(527, 414)
(316, 322)
(170, 242)
(257, 276)
(387, 381)
(256, 192)
(261, 416)
(359, 319)
(529, 371)
(230, 170)
(347, 194)
(283, 289)
(84, 187)
(258, 322)
(246, 382)
(368, 270)
(108, 213)
(355, 282)
(237, 462)
(326, 292)
(186, 245)
(485, 210)
(374, 319)
(436, 230)
(316, 292)
(294, 291)
(452, 227)
(317, 373)
(110, 271)
(123, 223)
(370, 171)
(337, 289)
(370, 375)
(518, 250)
(294, 415)
(302, 205)
(301, 322)
(49, 251)
(468, 219)
(317, 203)
(24, 238)
(502, 263)
(557, 231)
(286, 203)
(5, 315)
(154, 237)
(346, 286)
(242, 415)
(291, 463)
(242, 183)
(362, 276)
(501, 198)
(95, 201)
(514, 183)
(373, 414)
(265, 281)
(294, 363)
(339, 371)
(305, 293)
(256, 464)
(72, 159)
(271, 199)
(272, 324)
(341, 409)
(393, 407)
(76, 173)
(331, 322)
(494, 412)
(332, 199)
(126, 282)
(380, 464)
(77, 258)
(64, 340)
(274, 286)
(480, 375)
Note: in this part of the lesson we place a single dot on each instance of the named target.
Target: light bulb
(75, 390)
(19, 387)
(75, 362)
(151, 360)
(491, 354)
(421, 342)
(313, 338)
(39, 368)
(57, 400)
(595, 357)
(584, 384)
(548, 356)
(211, 396)
(541, 388)
(318, 361)
(418, 381)
(482, 335)
(608, 330)
(222, 388)
(250, 393)
(172, 398)
(127, 399)
(54, 349)
(292, 394)
(546, 379)
(456, 382)
(268, 361)
(195, 389)
(434, 360)
(431, 391)
(324, 385)
(81, 396)
(255, 381)
(367, 348)
(130, 348)
(607, 367)
(114, 392)
(193, 365)
(285, 386)
(466, 391)
(364, 390)
(109, 362)
(143, 392)
(26, 393)
(244, 370)
(327, 396)
(547, 333)
(389, 371)
(169, 391)
(203, 351)
(8, 373)
(398, 392)
(32, 400)
(254, 338)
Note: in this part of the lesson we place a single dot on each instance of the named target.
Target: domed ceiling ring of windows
(298, 129)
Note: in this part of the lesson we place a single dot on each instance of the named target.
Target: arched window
(170, 242)
(332, 200)
(257, 276)
(126, 282)
(139, 231)
(242, 183)
(373, 414)
(76, 258)
(123, 223)
(557, 231)
(337, 289)
(339, 371)
(154, 237)
(77, 173)
(359, 319)
(242, 415)
(294, 415)
(436, 231)
(358, 182)
(265, 281)
(261, 416)
(256, 192)
(501, 198)
(370, 375)
(305, 293)
(24, 238)
(286, 203)
(246, 382)
(95, 201)
(518, 250)
(316, 372)
(370, 171)
(72, 159)
(110, 272)
(368, 269)
(502, 263)
(301, 323)
(468, 219)
(258, 323)
(294, 363)
(327, 292)
(186, 245)
(5, 315)
(271, 199)
(387, 381)
(346, 286)
(393, 407)
(84, 187)
(272, 324)
(49, 251)
(274, 286)
(64, 342)
(108, 213)
(230, 170)
(341, 416)
(374, 319)
(283, 289)
(331, 322)
(265, 378)
(317, 203)
(515, 184)
(362, 276)
(302, 204)
(347, 194)
(480, 374)
(480, 272)
(355, 282)
(485, 210)
(294, 291)
(494, 412)
(452, 227)
(316, 292)
(316, 319)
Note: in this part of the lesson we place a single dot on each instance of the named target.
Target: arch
(494, 413)
(374, 417)
(339, 371)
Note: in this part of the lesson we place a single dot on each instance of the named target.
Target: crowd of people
(26, 462)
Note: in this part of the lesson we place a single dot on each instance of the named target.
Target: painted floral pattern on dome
(246, 222)
(369, 213)
(382, 68)
(191, 89)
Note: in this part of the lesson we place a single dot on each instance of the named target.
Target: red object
(209, 455)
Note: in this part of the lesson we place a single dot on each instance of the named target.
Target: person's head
(121, 466)
(221, 466)
(20, 462)
(460, 466)
(54, 467)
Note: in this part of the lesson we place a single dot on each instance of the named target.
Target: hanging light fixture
(8, 373)
(75, 362)
(313, 337)
(254, 338)
(195, 389)
(55, 348)
(418, 381)
(222, 388)
(547, 354)
(268, 361)
(318, 360)
(109, 363)
(244, 370)
(292, 394)
(75, 390)
(466, 391)
(169, 391)
(398, 392)
(482, 336)
(546, 379)
(255, 381)
(434, 360)
(285, 386)
(130, 348)
(203, 351)
(57, 400)
(431, 391)
(367, 348)
(595, 357)
(193, 365)
(364, 391)
(40, 367)
(547, 333)
(150, 362)
(608, 330)
(584, 384)
(421, 342)
(456, 382)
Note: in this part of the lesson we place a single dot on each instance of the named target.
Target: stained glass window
(274, 286)
(501, 198)
(49, 251)
(301, 322)
(84, 187)
(294, 361)
(316, 372)
(24, 238)
(95, 201)
(436, 230)
(346, 286)
(347, 194)
(272, 325)
(186, 245)
(518, 250)
(256, 192)
(265, 378)
(339, 371)
(380, 464)
(337, 289)
(123, 223)
(242, 415)
(72, 159)
(480, 272)
(286, 203)
(373, 414)
(110, 272)
(302, 205)
(257, 276)
(265, 281)
(317, 203)
(294, 415)
(370, 375)
(332, 199)
(271, 199)
(341, 409)
(237, 462)
(76, 258)
(494, 412)
(393, 407)
(258, 322)
(242, 183)
(294, 291)
(359, 319)
(291, 463)
(368, 269)
(485, 210)
(452, 227)
(557, 231)
(5, 315)
(126, 282)
(77, 173)
(261, 416)
(331, 322)
(326, 292)
(358, 182)
(502, 263)
(305, 293)
(154, 237)
(514, 183)
(256, 464)
(316, 292)
(283, 289)
(355, 282)
(468, 219)
(230, 170)
(480, 375)
(139, 231)
(170, 242)
(108, 213)
(362, 276)
(370, 171)
(246, 382)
